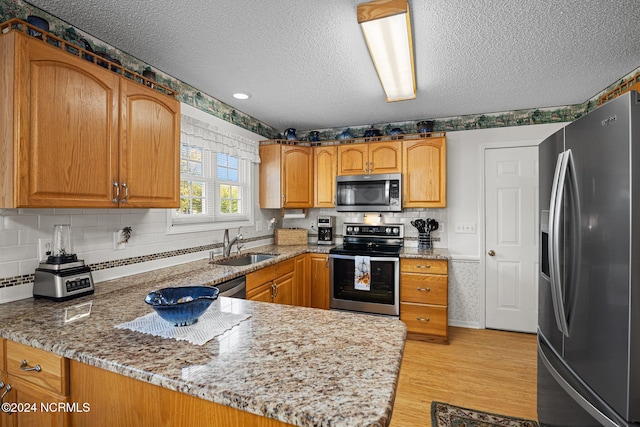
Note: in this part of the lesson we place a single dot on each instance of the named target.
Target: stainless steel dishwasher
(234, 288)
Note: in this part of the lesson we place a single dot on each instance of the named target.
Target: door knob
(492, 253)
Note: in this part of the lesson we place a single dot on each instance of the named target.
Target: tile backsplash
(405, 217)
(150, 246)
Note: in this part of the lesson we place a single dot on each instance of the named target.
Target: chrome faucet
(226, 244)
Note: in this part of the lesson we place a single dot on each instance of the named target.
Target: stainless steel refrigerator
(589, 284)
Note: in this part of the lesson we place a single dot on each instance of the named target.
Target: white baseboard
(465, 324)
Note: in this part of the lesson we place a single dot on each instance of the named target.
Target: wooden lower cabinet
(117, 400)
(283, 289)
(302, 290)
(273, 284)
(424, 298)
(319, 280)
(35, 406)
(39, 396)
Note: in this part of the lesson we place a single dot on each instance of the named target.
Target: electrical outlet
(118, 241)
(466, 228)
(312, 224)
(44, 246)
(258, 225)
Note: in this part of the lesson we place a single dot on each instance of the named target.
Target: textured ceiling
(307, 66)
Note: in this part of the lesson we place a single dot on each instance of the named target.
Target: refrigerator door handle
(554, 241)
(555, 215)
(572, 286)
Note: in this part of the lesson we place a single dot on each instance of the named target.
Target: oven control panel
(382, 230)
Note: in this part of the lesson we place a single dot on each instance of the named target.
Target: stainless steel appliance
(234, 288)
(589, 283)
(63, 276)
(379, 246)
(369, 193)
(325, 229)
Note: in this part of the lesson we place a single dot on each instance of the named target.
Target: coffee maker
(325, 230)
(63, 276)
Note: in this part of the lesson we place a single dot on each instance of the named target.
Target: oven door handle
(373, 258)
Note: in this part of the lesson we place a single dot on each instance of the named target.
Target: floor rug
(445, 415)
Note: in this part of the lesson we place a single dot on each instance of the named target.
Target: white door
(511, 240)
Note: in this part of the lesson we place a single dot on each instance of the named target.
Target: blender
(62, 276)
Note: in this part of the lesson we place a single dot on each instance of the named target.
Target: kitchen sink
(247, 259)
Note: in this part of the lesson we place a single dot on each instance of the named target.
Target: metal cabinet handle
(422, 319)
(370, 167)
(423, 266)
(126, 193)
(6, 390)
(24, 366)
(326, 262)
(424, 289)
(492, 253)
(115, 199)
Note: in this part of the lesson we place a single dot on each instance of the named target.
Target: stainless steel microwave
(367, 193)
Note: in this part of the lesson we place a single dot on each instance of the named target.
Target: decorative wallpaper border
(28, 278)
(192, 96)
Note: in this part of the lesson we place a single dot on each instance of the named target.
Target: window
(214, 191)
(230, 192)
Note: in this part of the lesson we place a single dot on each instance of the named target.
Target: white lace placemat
(211, 324)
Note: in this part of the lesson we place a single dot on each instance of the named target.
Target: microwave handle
(387, 189)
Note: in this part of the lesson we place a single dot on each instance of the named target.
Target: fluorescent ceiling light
(386, 26)
(242, 95)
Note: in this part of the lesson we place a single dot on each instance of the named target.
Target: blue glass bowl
(183, 305)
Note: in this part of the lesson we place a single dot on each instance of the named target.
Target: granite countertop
(302, 366)
(414, 252)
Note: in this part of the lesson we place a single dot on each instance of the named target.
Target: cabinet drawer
(2, 344)
(284, 267)
(54, 370)
(430, 266)
(424, 288)
(259, 278)
(424, 319)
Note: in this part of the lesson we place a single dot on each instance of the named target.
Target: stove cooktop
(370, 249)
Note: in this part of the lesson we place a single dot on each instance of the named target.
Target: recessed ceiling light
(242, 95)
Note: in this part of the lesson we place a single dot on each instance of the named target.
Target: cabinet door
(263, 293)
(67, 130)
(319, 280)
(353, 159)
(425, 173)
(325, 168)
(297, 177)
(385, 157)
(38, 408)
(149, 147)
(283, 290)
(301, 289)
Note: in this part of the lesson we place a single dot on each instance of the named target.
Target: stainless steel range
(365, 271)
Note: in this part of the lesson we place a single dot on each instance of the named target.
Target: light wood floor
(493, 371)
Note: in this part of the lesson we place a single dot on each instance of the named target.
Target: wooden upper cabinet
(352, 159)
(297, 174)
(325, 167)
(385, 157)
(62, 151)
(425, 173)
(149, 154)
(286, 176)
(62, 120)
(372, 158)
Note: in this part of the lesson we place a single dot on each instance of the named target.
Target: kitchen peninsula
(283, 366)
